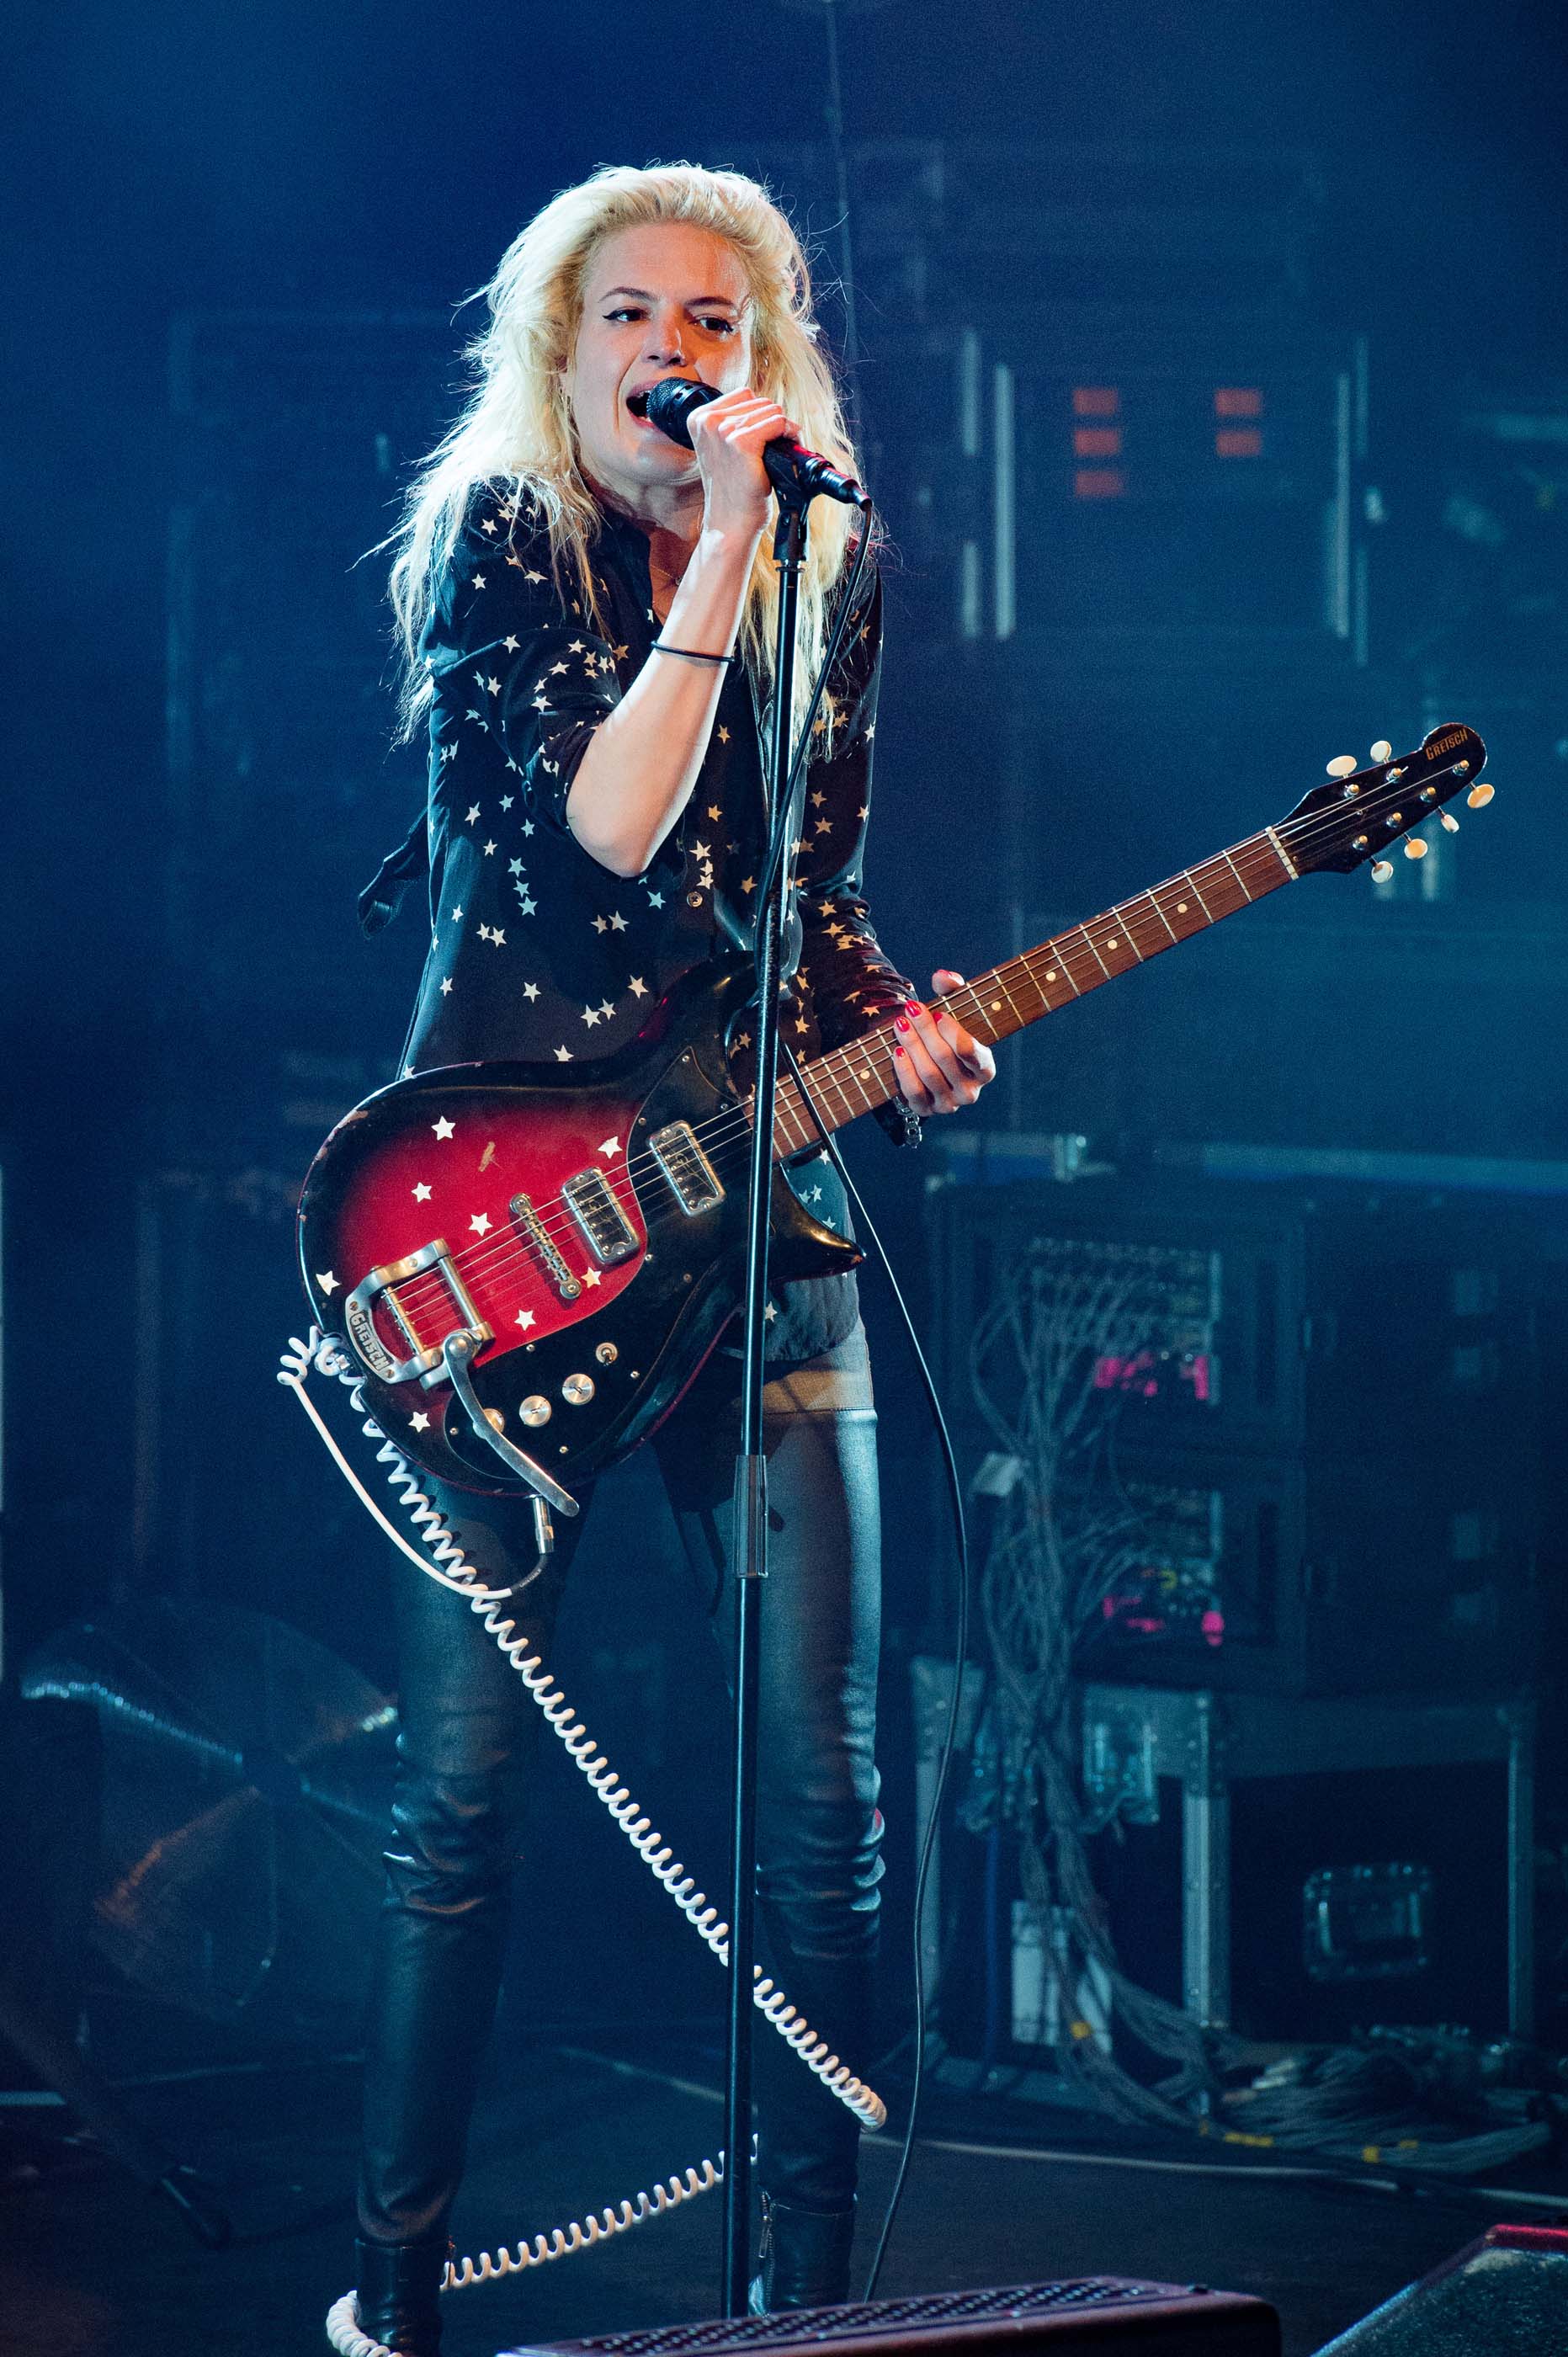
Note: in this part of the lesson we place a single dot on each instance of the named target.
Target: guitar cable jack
(319, 1353)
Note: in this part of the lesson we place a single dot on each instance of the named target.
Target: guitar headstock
(1360, 813)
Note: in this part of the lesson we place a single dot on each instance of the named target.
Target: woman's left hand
(938, 1066)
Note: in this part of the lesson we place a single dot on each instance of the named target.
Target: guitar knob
(1415, 847)
(1480, 796)
(1342, 766)
(1449, 822)
(1381, 870)
(1382, 749)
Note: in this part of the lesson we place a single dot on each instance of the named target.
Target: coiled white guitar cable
(447, 1564)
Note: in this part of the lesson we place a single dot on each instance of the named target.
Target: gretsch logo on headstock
(1446, 744)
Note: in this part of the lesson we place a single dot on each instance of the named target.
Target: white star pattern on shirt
(511, 644)
(637, 986)
(472, 815)
(326, 1281)
(656, 900)
(590, 1016)
(478, 580)
(530, 990)
(457, 914)
(617, 922)
(489, 847)
(563, 1055)
(446, 987)
(601, 924)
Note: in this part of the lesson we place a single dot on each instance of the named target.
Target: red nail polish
(911, 1006)
(897, 1051)
(901, 1024)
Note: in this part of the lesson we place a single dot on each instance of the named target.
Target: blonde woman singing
(587, 612)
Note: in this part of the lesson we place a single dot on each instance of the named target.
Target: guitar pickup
(609, 1234)
(692, 1178)
(534, 1228)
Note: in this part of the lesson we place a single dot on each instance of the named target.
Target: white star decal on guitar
(609, 1147)
(420, 1422)
(422, 1192)
(591, 1276)
(525, 1319)
(326, 1281)
(480, 1223)
(443, 1127)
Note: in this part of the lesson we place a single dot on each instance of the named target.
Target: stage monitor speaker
(1103, 2314)
(1506, 2296)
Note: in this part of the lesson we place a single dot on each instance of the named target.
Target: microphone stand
(751, 1541)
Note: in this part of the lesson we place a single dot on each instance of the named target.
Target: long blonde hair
(517, 429)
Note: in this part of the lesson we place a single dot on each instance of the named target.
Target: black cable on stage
(961, 1649)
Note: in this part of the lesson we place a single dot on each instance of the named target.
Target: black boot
(803, 2258)
(398, 2298)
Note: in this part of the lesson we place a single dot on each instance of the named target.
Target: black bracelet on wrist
(688, 654)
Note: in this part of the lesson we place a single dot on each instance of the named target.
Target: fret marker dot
(1112, 942)
(1050, 974)
(996, 1006)
(1181, 907)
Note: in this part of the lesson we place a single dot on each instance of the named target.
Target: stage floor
(92, 2267)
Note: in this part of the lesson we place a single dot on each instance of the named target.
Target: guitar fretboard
(848, 1082)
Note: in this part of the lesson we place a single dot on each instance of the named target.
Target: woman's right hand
(729, 436)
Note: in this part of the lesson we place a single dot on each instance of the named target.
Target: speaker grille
(932, 2313)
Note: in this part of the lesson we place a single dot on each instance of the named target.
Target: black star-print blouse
(539, 953)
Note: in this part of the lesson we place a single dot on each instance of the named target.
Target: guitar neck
(851, 1080)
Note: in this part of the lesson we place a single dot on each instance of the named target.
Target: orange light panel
(1096, 401)
(1238, 401)
(1239, 442)
(1097, 441)
(1097, 483)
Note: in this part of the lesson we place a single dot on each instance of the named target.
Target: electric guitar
(529, 1270)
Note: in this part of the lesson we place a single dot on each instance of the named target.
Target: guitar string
(871, 1048)
(485, 1261)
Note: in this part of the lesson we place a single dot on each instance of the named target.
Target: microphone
(795, 472)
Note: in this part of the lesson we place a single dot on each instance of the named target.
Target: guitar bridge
(423, 1362)
(534, 1228)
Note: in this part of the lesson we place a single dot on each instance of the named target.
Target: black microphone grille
(670, 402)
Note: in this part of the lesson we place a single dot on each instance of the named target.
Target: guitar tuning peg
(1382, 749)
(1480, 796)
(1447, 820)
(1414, 846)
(1381, 870)
(1342, 766)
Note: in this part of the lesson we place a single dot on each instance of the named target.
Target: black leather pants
(467, 1730)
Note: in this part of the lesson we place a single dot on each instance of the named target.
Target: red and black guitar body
(595, 1235)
